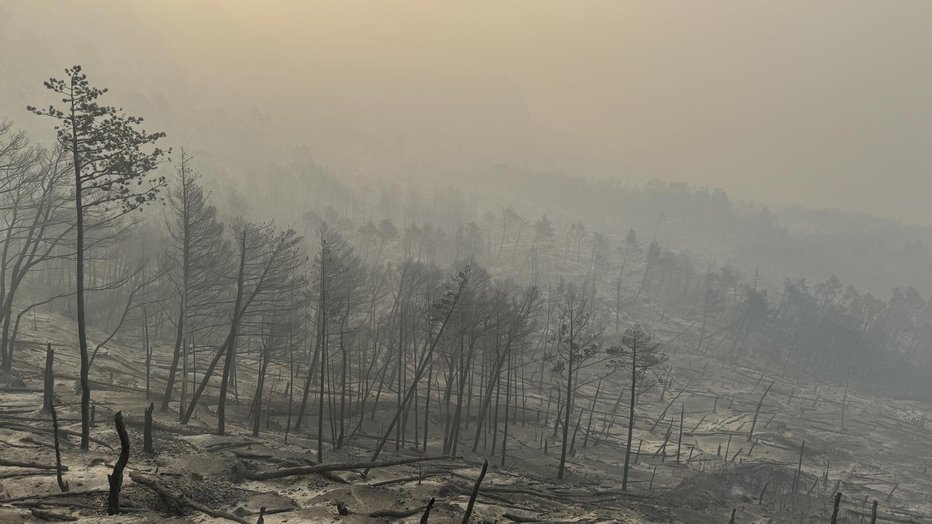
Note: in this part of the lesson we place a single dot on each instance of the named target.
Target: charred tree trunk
(62, 485)
(757, 411)
(147, 446)
(116, 478)
(230, 345)
(145, 330)
(679, 441)
(595, 399)
(835, 508)
(48, 391)
(260, 385)
(634, 377)
(179, 340)
(475, 493)
(569, 403)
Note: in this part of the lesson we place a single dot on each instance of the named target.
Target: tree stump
(116, 478)
(147, 430)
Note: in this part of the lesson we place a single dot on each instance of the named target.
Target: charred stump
(147, 430)
(62, 485)
(426, 516)
(835, 510)
(116, 478)
(475, 493)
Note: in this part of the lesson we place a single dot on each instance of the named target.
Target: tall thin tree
(112, 158)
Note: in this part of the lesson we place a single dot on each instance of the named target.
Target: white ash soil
(881, 452)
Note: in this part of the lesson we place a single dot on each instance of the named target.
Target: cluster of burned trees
(36, 226)
(734, 313)
(333, 328)
(816, 328)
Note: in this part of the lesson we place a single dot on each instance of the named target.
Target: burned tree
(631, 244)
(641, 354)
(336, 278)
(576, 334)
(147, 446)
(35, 220)
(48, 390)
(111, 157)
(267, 267)
(196, 262)
(62, 484)
(443, 311)
(518, 316)
(116, 478)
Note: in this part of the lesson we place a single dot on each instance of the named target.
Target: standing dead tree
(336, 279)
(631, 244)
(757, 411)
(577, 336)
(267, 268)
(147, 446)
(519, 315)
(35, 221)
(641, 353)
(446, 307)
(196, 262)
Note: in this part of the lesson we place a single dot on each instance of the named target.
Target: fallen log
(21, 418)
(519, 518)
(497, 500)
(44, 431)
(403, 480)
(396, 513)
(342, 509)
(32, 465)
(49, 516)
(17, 474)
(224, 446)
(55, 503)
(54, 495)
(35, 443)
(179, 501)
(337, 466)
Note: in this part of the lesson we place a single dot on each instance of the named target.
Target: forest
(419, 354)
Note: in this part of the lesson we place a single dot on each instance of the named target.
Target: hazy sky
(822, 104)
